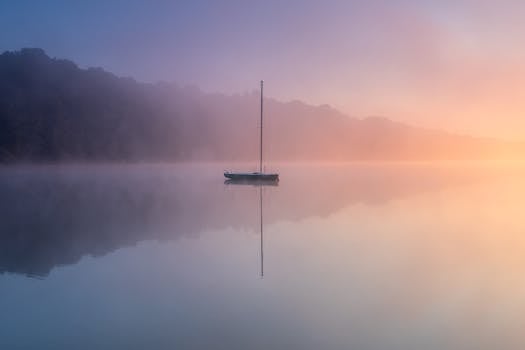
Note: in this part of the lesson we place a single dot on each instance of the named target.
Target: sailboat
(258, 175)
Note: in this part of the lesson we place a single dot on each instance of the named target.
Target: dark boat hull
(249, 177)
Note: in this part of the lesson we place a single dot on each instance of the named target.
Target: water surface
(361, 256)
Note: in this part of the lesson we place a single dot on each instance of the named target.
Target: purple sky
(456, 65)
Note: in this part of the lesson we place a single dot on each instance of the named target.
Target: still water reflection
(376, 256)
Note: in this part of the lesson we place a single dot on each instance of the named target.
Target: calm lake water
(363, 256)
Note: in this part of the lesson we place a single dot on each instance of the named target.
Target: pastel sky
(451, 64)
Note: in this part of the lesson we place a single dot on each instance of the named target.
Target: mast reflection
(260, 184)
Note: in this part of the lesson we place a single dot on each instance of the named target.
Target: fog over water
(363, 255)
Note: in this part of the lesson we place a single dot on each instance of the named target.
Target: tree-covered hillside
(51, 110)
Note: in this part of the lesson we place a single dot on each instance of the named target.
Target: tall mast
(261, 132)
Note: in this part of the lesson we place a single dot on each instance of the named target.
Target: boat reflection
(260, 184)
(257, 183)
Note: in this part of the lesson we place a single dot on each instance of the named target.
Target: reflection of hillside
(54, 216)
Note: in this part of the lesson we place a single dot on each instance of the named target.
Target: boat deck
(255, 176)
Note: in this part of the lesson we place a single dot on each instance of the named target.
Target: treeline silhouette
(51, 110)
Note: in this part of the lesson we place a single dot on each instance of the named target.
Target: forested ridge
(52, 110)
